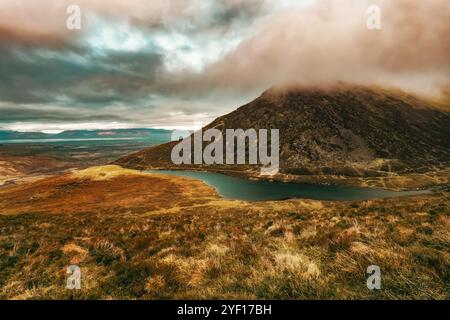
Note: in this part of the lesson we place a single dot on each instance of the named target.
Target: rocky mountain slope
(337, 130)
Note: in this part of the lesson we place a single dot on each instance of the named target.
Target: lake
(241, 189)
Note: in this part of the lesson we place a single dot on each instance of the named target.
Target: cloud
(42, 113)
(329, 42)
(168, 63)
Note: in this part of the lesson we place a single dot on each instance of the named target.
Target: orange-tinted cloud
(329, 42)
(151, 59)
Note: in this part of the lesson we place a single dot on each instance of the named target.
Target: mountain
(337, 130)
(113, 133)
(15, 135)
(160, 135)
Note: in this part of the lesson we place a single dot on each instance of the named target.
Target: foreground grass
(212, 248)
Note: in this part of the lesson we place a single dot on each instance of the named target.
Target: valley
(139, 234)
(225, 150)
(151, 236)
(30, 156)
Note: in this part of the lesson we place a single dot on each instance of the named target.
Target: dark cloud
(44, 76)
(163, 62)
(43, 114)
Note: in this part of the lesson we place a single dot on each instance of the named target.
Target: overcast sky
(181, 63)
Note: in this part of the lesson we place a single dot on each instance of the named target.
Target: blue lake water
(241, 189)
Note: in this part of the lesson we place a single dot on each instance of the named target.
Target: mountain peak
(339, 129)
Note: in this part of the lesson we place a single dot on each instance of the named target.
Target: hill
(353, 131)
(138, 133)
(150, 236)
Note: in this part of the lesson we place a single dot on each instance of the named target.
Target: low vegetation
(142, 236)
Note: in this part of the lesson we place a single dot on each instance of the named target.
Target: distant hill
(14, 135)
(114, 133)
(343, 130)
(158, 134)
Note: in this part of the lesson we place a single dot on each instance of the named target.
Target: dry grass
(100, 173)
(154, 238)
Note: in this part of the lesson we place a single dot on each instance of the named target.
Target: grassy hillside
(149, 236)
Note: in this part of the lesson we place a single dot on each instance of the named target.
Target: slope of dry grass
(152, 237)
(102, 189)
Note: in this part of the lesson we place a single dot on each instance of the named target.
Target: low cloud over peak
(172, 63)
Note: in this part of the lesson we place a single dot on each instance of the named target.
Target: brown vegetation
(150, 237)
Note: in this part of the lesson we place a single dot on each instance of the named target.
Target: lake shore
(150, 236)
(241, 188)
(434, 180)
